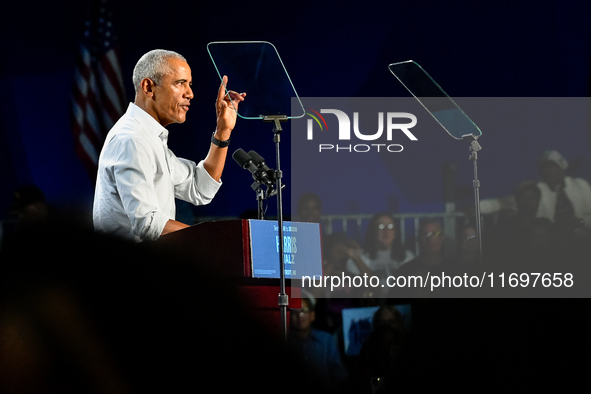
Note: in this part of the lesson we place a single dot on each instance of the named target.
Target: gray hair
(154, 65)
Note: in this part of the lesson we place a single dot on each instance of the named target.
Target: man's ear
(147, 87)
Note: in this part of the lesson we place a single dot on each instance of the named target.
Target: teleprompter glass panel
(431, 96)
(255, 67)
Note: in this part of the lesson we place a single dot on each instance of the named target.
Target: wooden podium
(226, 247)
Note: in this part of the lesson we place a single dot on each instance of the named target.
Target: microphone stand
(256, 186)
(283, 300)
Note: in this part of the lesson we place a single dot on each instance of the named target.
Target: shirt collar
(148, 122)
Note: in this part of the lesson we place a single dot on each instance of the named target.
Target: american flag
(98, 96)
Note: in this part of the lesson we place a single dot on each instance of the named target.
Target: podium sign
(301, 249)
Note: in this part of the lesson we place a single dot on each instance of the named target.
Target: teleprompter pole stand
(283, 299)
(474, 148)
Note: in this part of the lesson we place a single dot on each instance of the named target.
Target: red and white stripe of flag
(98, 102)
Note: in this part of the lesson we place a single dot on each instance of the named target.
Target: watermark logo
(394, 121)
(315, 117)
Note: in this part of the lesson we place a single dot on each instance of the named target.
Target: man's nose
(188, 92)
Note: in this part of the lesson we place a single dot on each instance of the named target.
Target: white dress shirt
(139, 178)
(577, 190)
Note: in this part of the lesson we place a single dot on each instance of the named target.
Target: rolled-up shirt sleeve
(192, 182)
(134, 172)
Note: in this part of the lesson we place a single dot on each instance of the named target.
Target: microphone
(245, 161)
(261, 165)
(241, 158)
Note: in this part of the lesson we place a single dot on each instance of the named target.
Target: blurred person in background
(564, 200)
(382, 252)
(318, 349)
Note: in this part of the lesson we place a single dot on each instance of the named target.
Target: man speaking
(138, 176)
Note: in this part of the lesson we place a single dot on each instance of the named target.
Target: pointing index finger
(222, 89)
